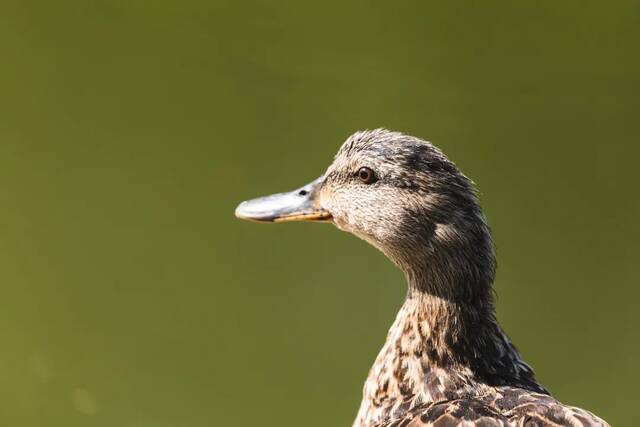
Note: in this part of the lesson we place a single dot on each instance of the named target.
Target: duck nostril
(303, 192)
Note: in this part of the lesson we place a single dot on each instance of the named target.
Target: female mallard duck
(446, 361)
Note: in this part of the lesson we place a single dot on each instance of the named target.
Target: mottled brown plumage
(446, 361)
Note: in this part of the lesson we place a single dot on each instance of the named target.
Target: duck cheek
(347, 221)
(339, 212)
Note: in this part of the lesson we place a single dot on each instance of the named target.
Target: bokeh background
(129, 131)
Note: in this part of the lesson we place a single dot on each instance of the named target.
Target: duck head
(402, 195)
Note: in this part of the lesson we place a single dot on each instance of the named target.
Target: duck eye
(366, 175)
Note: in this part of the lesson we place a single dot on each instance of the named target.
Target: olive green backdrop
(129, 131)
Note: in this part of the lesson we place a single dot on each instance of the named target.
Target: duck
(446, 360)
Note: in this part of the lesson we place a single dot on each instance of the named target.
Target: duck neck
(439, 350)
(443, 345)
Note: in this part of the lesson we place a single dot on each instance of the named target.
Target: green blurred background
(129, 131)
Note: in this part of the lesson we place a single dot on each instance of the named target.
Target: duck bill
(297, 205)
